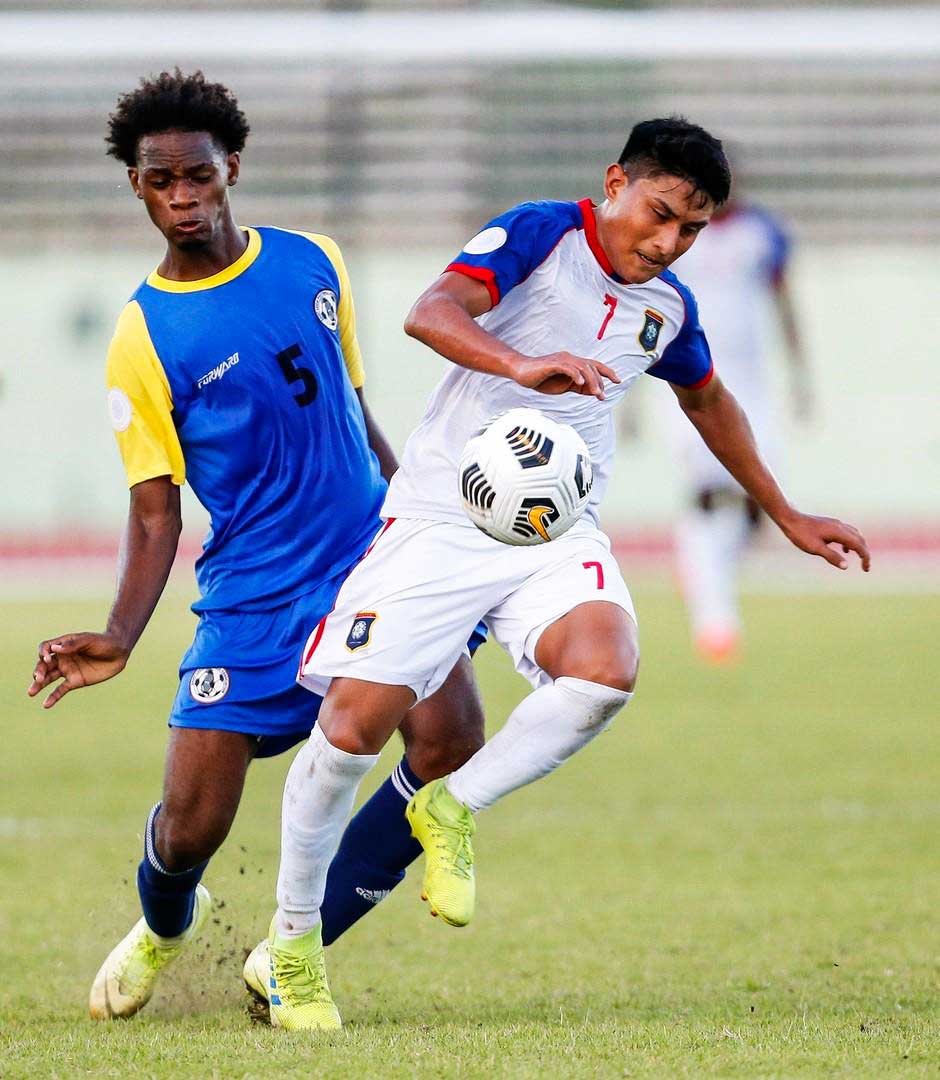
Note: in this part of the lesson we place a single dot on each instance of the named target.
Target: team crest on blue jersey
(324, 307)
(360, 633)
(208, 684)
(649, 335)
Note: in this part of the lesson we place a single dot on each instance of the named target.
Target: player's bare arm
(147, 553)
(381, 447)
(443, 319)
(800, 386)
(721, 422)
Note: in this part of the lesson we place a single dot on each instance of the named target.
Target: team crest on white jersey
(324, 307)
(208, 684)
(649, 335)
(360, 633)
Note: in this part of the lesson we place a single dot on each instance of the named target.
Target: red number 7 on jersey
(600, 572)
(610, 302)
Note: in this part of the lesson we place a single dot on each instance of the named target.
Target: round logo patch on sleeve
(324, 306)
(119, 409)
(489, 240)
(208, 684)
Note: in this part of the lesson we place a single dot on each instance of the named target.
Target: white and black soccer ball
(525, 479)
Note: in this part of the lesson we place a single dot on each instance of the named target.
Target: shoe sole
(440, 914)
(258, 1007)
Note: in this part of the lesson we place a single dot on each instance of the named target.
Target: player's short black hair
(172, 101)
(679, 148)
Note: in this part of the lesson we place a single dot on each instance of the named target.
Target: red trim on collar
(590, 234)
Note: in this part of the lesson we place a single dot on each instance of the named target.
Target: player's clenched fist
(562, 373)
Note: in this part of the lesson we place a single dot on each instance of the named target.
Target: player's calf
(440, 734)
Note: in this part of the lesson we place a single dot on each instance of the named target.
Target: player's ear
(234, 164)
(134, 176)
(614, 180)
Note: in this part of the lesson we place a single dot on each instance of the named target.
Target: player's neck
(193, 264)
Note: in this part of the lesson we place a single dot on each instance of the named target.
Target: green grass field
(741, 878)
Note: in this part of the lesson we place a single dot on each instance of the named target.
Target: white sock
(709, 545)
(542, 732)
(318, 798)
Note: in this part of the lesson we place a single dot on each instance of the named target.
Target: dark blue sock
(167, 899)
(376, 848)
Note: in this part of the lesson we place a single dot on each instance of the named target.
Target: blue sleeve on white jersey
(687, 359)
(511, 246)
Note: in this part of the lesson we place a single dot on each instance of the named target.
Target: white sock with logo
(542, 732)
(319, 793)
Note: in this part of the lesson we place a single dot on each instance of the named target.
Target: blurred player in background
(560, 306)
(738, 271)
(236, 366)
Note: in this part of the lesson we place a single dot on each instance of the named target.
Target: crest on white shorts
(208, 684)
(360, 633)
(324, 307)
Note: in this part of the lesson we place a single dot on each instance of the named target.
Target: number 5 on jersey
(292, 373)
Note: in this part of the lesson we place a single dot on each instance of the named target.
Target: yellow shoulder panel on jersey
(140, 403)
(346, 314)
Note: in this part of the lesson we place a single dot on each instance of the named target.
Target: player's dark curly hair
(679, 148)
(173, 101)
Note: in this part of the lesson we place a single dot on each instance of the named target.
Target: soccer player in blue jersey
(235, 367)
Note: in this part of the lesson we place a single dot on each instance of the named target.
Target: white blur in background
(399, 131)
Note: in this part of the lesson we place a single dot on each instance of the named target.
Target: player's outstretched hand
(78, 660)
(823, 536)
(563, 373)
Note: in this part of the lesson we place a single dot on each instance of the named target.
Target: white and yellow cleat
(125, 981)
(444, 828)
(286, 979)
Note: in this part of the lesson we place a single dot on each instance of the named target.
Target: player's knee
(185, 840)
(616, 669)
(359, 717)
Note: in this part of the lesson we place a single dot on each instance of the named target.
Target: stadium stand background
(402, 160)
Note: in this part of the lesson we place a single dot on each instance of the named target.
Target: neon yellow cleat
(286, 978)
(125, 981)
(443, 826)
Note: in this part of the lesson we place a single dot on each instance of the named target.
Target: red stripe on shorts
(321, 625)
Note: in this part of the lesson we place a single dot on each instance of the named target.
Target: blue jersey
(243, 384)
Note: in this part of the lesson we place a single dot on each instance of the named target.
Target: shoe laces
(141, 963)
(453, 838)
(300, 979)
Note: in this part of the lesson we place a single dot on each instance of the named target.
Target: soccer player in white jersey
(561, 306)
(738, 273)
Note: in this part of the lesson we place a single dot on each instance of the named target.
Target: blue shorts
(240, 672)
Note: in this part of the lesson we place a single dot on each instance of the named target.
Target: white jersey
(553, 290)
(733, 268)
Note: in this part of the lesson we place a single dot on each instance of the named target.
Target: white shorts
(405, 613)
